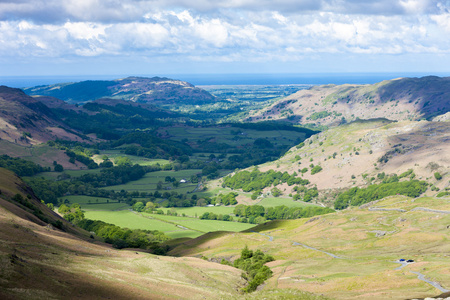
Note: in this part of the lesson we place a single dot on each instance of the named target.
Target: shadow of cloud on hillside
(429, 94)
(45, 280)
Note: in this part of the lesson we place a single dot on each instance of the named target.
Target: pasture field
(94, 203)
(173, 226)
(80, 199)
(197, 210)
(115, 206)
(143, 161)
(278, 201)
(233, 136)
(78, 173)
(204, 226)
(133, 220)
(150, 180)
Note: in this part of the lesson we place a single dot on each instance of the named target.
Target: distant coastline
(225, 79)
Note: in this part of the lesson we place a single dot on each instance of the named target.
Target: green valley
(229, 192)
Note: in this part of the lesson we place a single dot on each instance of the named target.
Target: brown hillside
(27, 121)
(398, 99)
(352, 154)
(41, 262)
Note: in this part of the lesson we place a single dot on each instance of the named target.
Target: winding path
(300, 244)
(421, 276)
(403, 263)
(269, 236)
(312, 248)
(433, 283)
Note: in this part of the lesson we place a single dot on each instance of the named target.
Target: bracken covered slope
(39, 261)
(351, 154)
(27, 121)
(398, 99)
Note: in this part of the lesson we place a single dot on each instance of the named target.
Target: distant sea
(225, 79)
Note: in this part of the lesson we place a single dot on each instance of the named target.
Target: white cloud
(222, 31)
(443, 21)
(85, 30)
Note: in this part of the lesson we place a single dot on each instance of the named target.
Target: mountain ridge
(331, 105)
(27, 121)
(156, 90)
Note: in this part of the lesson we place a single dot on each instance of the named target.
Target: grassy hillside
(42, 262)
(398, 99)
(350, 254)
(354, 154)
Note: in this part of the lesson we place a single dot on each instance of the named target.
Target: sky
(80, 37)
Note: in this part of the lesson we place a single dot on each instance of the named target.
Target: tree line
(21, 166)
(357, 196)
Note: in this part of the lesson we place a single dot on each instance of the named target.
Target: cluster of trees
(71, 213)
(443, 194)
(213, 216)
(149, 145)
(253, 264)
(305, 194)
(50, 191)
(257, 214)
(390, 186)
(88, 184)
(228, 199)
(174, 199)
(126, 238)
(320, 115)
(316, 169)
(76, 151)
(257, 180)
(109, 121)
(116, 175)
(21, 166)
(83, 158)
(27, 204)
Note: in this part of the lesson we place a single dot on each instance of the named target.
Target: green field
(230, 136)
(191, 227)
(197, 210)
(278, 201)
(94, 203)
(132, 220)
(143, 161)
(149, 181)
(204, 225)
(86, 199)
(78, 173)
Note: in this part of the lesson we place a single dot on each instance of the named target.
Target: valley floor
(352, 254)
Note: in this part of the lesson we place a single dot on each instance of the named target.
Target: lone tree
(437, 175)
